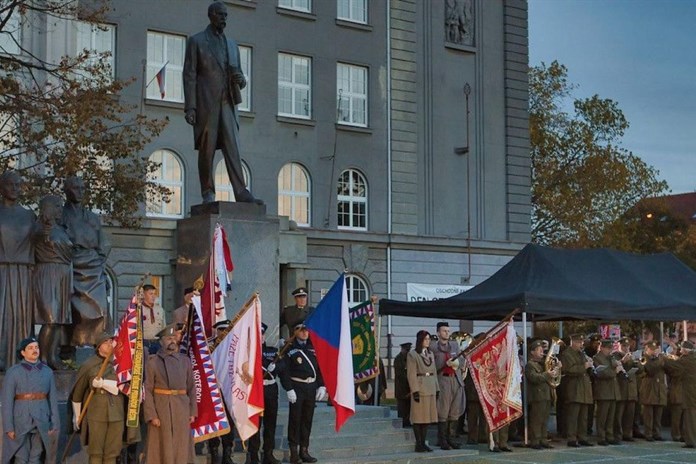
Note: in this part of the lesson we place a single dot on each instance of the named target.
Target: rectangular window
(352, 10)
(298, 5)
(294, 86)
(245, 58)
(351, 89)
(11, 34)
(165, 49)
(97, 39)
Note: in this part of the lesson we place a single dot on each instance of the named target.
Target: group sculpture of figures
(609, 384)
(52, 271)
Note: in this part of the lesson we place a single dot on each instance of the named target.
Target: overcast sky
(640, 53)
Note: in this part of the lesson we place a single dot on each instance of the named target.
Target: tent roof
(558, 284)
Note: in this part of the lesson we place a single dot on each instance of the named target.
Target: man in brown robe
(170, 396)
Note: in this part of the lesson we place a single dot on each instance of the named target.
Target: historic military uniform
(675, 400)
(538, 396)
(422, 381)
(606, 393)
(591, 349)
(451, 399)
(401, 390)
(170, 397)
(685, 369)
(269, 357)
(578, 394)
(653, 394)
(102, 426)
(628, 396)
(30, 410)
(300, 374)
(292, 315)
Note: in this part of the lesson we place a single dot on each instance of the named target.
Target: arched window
(357, 289)
(352, 200)
(223, 186)
(294, 194)
(170, 174)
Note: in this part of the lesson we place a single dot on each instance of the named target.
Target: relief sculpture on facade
(459, 22)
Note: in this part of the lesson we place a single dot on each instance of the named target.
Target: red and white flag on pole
(217, 280)
(496, 372)
(129, 359)
(237, 364)
(161, 79)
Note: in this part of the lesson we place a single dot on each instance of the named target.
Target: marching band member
(538, 395)
(653, 391)
(628, 393)
(578, 390)
(606, 392)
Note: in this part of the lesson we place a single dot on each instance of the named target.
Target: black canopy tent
(564, 284)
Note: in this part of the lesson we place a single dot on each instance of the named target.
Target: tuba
(551, 362)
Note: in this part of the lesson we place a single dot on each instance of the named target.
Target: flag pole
(236, 319)
(524, 377)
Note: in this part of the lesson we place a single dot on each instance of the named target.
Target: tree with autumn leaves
(66, 116)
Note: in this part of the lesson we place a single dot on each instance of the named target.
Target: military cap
(300, 291)
(687, 345)
(624, 340)
(652, 344)
(23, 344)
(536, 344)
(606, 343)
(188, 290)
(594, 337)
(442, 324)
(222, 325)
(101, 338)
(577, 336)
(406, 346)
(264, 327)
(299, 326)
(168, 331)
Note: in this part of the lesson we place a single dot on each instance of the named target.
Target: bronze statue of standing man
(212, 81)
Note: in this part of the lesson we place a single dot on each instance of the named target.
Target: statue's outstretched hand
(190, 117)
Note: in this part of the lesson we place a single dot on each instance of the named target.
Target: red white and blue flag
(161, 76)
(329, 328)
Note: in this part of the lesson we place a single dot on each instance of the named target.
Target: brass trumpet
(552, 363)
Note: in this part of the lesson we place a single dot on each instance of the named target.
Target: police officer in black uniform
(270, 413)
(302, 380)
(295, 314)
(227, 439)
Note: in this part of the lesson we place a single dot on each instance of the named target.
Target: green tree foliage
(67, 116)
(583, 181)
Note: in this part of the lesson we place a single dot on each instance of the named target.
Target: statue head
(217, 14)
(10, 185)
(74, 188)
(51, 209)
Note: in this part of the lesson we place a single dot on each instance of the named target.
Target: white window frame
(296, 88)
(296, 5)
(97, 33)
(356, 10)
(223, 187)
(11, 35)
(171, 184)
(348, 98)
(352, 201)
(355, 283)
(173, 75)
(296, 195)
(245, 54)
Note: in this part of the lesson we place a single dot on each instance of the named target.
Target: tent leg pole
(524, 377)
(375, 398)
(662, 334)
(686, 337)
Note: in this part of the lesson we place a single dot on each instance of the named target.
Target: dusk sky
(640, 53)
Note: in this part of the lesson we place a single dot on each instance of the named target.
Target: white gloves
(98, 382)
(453, 363)
(77, 409)
(281, 343)
(321, 393)
(292, 396)
(271, 367)
(110, 386)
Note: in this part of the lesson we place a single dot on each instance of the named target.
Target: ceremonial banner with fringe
(496, 372)
(211, 420)
(362, 334)
(129, 359)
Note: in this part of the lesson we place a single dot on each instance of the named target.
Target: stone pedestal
(254, 242)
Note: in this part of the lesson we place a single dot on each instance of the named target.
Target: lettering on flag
(129, 359)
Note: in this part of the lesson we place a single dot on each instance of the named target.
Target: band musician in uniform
(538, 395)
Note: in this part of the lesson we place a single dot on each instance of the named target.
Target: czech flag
(329, 328)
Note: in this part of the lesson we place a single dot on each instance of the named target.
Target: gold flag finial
(198, 284)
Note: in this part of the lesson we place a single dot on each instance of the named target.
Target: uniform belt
(100, 391)
(446, 374)
(163, 391)
(269, 382)
(307, 380)
(427, 374)
(31, 396)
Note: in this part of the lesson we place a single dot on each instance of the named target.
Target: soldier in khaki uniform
(102, 427)
(628, 394)
(653, 391)
(685, 369)
(422, 381)
(294, 314)
(538, 395)
(675, 399)
(606, 392)
(449, 378)
(578, 390)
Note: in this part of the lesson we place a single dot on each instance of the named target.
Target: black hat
(442, 324)
(188, 290)
(536, 344)
(606, 343)
(300, 291)
(168, 331)
(300, 326)
(24, 343)
(264, 327)
(406, 346)
(147, 287)
(101, 338)
(222, 325)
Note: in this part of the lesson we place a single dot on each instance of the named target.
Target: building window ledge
(351, 128)
(298, 121)
(242, 3)
(296, 14)
(354, 25)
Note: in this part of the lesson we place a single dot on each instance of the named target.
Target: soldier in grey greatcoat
(169, 403)
(29, 409)
(449, 377)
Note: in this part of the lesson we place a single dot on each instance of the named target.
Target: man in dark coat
(538, 395)
(29, 409)
(212, 82)
(578, 390)
(169, 403)
(401, 391)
